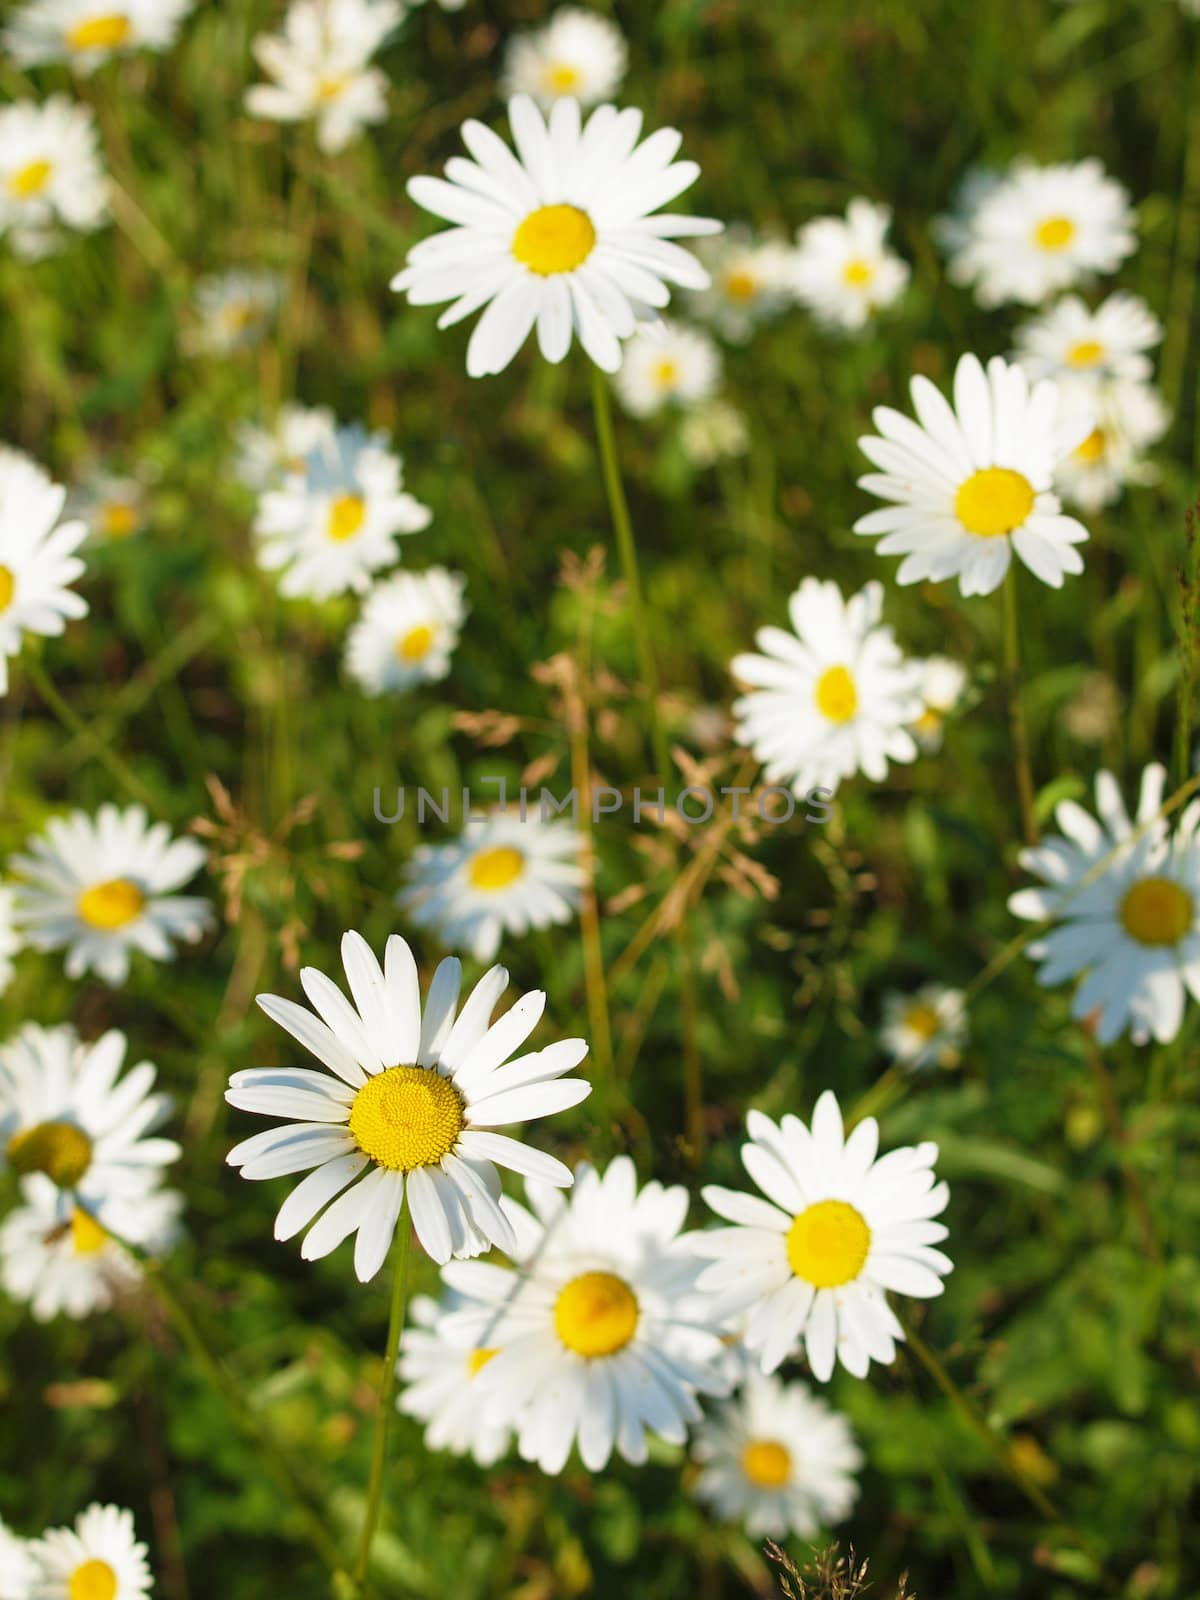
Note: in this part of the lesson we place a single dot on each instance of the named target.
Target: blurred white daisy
(17, 1570)
(113, 507)
(668, 364)
(232, 311)
(37, 557)
(101, 887)
(973, 482)
(843, 270)
(838, 1228)
(833, 698)
(56, 1258)
(595, 1329)
(50, 174)
(98, 1558)
(714, 431)
(1130, 418)
(501, 876)
(1034, 231)
(750, 282)
(411, 1097)
(407, 632)
(333, 525)
(267, 455)
(320, 67)
(439, 1376)
(67, 1113)
(1071, 340)
(940, 684)
(87, 33)
(925, 1029)
(10, 942)
(566, 236)
(778, 1459)
(575, 53)
(1132, 933)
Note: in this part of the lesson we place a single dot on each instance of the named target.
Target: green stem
(1016, 710)
(627, 549)
(1182, 291)
(387, 1392)
(74, 724)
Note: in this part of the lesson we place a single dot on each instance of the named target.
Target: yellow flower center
(87, 1236)
(119, 519)
(330, 88)
(59, 1149)
(837, 696)
(1055, 233)
(766, 1463)
(415, 644)
(496, 868)
(596, 1314)
(8, 587)
(562, 77)
(1086, 353)
(1093, 447)
(346, 516)
(1157, 911)
(923, 1020)
(993, 501)
(666, 373)
(478, 1359)
(929, 721)
(741, 285)
(858, 273)
(554, 239)
(27, 182)
(827, 1244)
(406, 1117)
(239, 316)
(108, 32)
(94, 1580)
(110, 905)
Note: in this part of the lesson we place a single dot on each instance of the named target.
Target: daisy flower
(56, 1258)
(1133, 932)
(10, 942)
(87, 33)
(833, 698)
(777, 1459)
(838, 1228)
(1071, 340)
(66, 1112)
(595, 1333)
(750, 282)
(940, 684)
(333, 525)
(440, 1388)
(409, 1099)
(232, 311)
(407, 632)
(319, 64)
(575, 53)
(972, 483)
(1034, 231)
(17, 1570)
(37, 557)
(842, 269)
(266, 456)
(667, 365)
(113, 507)
(99, 1558)
(1130, 418)
(566, 236)
(50, 173)
(714, 431)
(925, 1029)
(501, 876)
(101, 887)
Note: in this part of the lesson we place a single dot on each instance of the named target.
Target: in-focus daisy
(750, 282)
(1036, 230)
(833, 698)
(712, 432)
(232, 311)
(17, 1570)
(407, 632)
(940, 684)
(566, 236)
(102, 887)
(87, 33)
(575, 53)
(668, 364)
(777, 1459)
(335, 523)
(98, 1558)
(67, 1113)
(266, 456)
(55, 1256)
(1132, 934)
(409, 1099)
(501, 876)
(37, 557)
(1073, 341)
(924, 1029)
(1130, 418)
(320, 67)
(439, 1376)
(597, 1338)
(10, 941)
(842, 269)
(50, 174)
(972, 483)
(113, 507)
(838, 1228)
